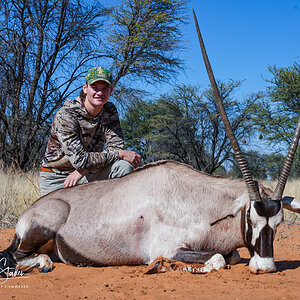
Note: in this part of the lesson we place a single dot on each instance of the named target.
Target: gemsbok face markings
(164, 209)
(263, 219)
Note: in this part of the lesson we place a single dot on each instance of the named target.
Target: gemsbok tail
(7, 261)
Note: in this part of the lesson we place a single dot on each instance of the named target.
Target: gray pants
(50, 182)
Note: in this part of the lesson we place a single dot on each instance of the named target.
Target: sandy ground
(68, 282)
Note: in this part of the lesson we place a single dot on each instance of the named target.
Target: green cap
(98, 73)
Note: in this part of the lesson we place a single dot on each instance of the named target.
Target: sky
(242, 39)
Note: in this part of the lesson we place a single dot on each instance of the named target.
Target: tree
(136, 128)
(187, 127)
(278, 114)
(143, 38)
(47, 46)
(44, 46)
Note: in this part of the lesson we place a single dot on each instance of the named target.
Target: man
(76, 152)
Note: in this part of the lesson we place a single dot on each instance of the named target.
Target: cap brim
(99, 79)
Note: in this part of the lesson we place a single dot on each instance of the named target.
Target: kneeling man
(86, 140)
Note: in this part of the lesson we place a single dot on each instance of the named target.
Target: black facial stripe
(268, 208)
(249, 233)
(264, 244)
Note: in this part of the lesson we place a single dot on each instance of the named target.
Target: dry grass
(18, 190)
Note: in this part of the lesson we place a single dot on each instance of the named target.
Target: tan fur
(149, 213)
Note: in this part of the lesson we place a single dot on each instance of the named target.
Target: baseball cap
(98, 73)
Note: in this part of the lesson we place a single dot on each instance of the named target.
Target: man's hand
(74, 177)
(130, 156)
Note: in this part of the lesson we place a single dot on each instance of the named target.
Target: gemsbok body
(164, 209)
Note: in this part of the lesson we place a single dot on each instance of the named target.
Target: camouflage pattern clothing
(77, 139)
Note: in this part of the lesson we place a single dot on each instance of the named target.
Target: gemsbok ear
(237, 205)
(291, 203)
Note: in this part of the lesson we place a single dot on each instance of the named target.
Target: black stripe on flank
(71, 256)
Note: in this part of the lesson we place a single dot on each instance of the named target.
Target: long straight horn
(287, 164)
(251, 186)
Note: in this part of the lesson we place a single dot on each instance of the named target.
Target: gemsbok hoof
(44, 263)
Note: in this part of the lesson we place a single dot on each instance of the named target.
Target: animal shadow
(244, 261)
(280, 265)
(287, 265)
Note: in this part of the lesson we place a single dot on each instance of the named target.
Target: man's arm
(74, 177)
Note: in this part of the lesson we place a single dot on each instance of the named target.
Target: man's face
(97, 93)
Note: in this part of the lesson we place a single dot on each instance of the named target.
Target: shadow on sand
(287, 265)
(280, 265)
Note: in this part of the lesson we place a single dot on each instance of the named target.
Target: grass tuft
(18, 190)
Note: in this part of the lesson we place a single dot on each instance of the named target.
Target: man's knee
(120, 168)
(50, 182)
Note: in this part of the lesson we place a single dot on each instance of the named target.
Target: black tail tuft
(14, 244)
(7, 261)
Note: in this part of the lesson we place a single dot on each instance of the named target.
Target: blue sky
(242, 39)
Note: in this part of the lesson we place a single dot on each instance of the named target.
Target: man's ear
(84, 88)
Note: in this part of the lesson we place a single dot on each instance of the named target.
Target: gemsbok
(164, 209)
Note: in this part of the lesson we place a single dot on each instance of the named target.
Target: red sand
(68, 282)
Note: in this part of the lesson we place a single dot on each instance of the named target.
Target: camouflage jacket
(77, 139)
